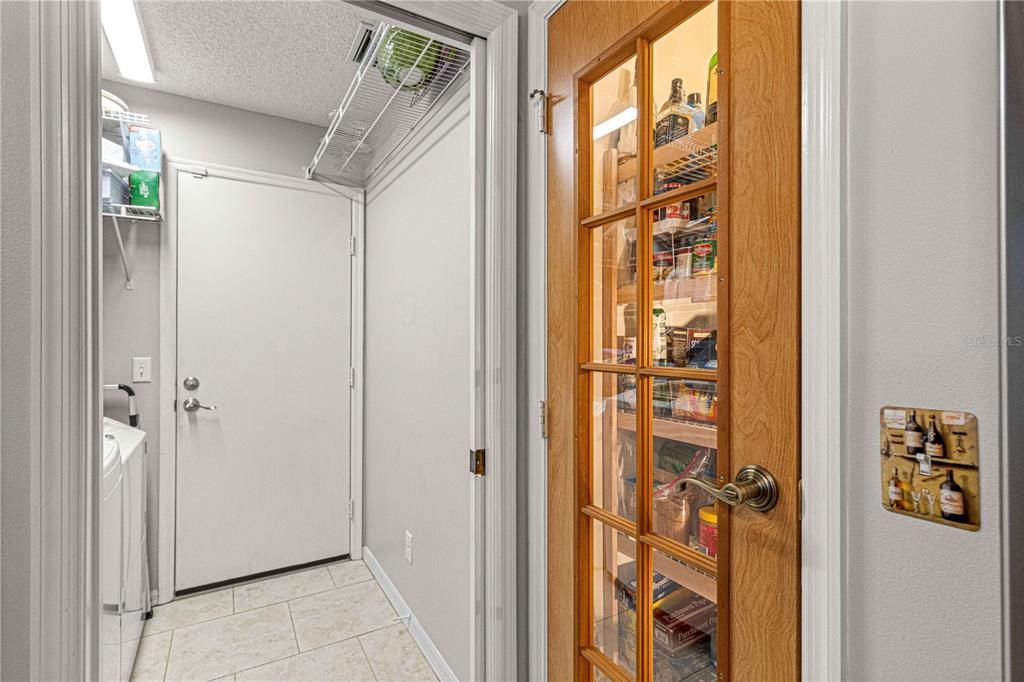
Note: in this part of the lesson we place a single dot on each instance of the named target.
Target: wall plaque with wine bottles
(930, 465)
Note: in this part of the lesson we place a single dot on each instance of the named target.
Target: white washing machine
(133, 567)
(111, 559)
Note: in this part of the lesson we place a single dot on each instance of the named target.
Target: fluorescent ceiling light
(614, 123)
(124, 35)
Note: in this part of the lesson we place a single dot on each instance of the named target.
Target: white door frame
(494, 100)
(822, 48)
(169, 351)
(55, 400)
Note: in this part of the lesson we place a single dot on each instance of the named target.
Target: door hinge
(540, 109)
(476, 462)
(351, 377)
(352, 245)
(544, 419)
(351, 509)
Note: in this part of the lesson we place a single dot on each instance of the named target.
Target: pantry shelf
(700, 582)
(694, 156)
(684, 432)
(697, 289)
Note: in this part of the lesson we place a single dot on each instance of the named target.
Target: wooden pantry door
(673, 339)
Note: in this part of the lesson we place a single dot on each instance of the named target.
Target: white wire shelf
(112, 117)
(143, 214)
(400, 78)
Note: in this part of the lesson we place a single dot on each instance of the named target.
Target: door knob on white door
(193, 405)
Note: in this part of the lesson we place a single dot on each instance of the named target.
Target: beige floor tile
(151, 659)
(395, 656)
(224, 646)
(339, 614)
(349, 573)
(281, 588)
(188, 611)
(341, 662)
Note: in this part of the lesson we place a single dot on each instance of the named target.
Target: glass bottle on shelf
(951, 500)
(712, 115)
(913, 435)
(697, 116)
(895, 490)
(673, 120)
(934, 443)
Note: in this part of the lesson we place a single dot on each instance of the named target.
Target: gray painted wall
(15, 339)
(923, 601)
(416, 413)
(198, 131)
(1013, 472)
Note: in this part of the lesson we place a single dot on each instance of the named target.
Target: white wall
(417, 359)
(199, 131)
(16, 343)
(923, 601)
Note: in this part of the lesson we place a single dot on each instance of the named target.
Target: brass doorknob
(754, 486)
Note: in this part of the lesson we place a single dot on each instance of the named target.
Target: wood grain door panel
(758, 570)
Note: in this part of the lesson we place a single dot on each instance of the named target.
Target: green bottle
(712, 113)
(145, 188)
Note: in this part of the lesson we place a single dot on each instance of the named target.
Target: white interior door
(263, 325)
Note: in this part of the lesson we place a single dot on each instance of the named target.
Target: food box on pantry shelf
(144, 147)
(682, 618)
(114, 189)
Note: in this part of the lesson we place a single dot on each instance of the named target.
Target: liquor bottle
(908, 498)
(697, 116)
(951, 500)
(934, 443)
(895, 490)
(913, 435)
(673, 120)
(660, 345)
(712, 100)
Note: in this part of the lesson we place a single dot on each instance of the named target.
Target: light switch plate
(142, 370)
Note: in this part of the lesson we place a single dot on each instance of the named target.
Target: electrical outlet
(142, 370)
(408, 546)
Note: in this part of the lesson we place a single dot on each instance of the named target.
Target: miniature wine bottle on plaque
(929, 465)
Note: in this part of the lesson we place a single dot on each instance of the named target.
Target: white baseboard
(419, 635)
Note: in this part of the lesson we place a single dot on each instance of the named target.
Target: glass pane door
(653, 245)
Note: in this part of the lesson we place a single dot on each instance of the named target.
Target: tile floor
(326, 623)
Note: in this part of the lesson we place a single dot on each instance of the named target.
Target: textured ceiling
(285, 59)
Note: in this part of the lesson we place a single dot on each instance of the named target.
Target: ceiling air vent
(361, 42)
